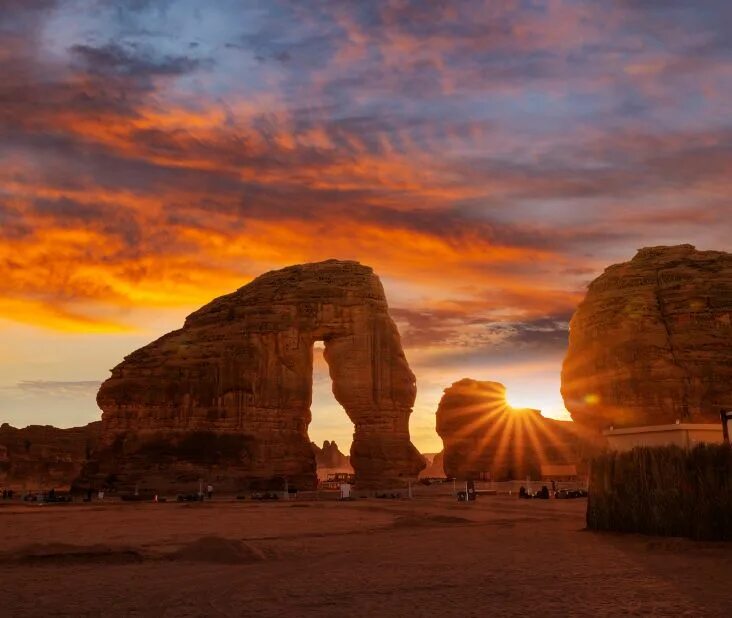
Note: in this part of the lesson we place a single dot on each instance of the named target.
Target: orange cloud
(126, 189)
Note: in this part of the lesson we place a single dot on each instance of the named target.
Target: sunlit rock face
(227, 397)
(41, 457)
(652, 341)
(483, 435)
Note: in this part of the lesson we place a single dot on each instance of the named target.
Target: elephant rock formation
(227, 397)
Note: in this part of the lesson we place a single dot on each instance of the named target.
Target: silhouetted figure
(89, 494)
(471, 490)
(209, 491)
(522, 492)
(543, 493)
(52, 495)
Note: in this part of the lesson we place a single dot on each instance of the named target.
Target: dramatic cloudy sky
(488, 159)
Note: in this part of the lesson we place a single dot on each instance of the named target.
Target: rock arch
(227, 397)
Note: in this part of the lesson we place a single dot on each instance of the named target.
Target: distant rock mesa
(227, 397)
(652, 341)
(483, 435)
(44, 457)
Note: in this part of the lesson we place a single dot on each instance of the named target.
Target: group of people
(8, 494)
(542, 494)
(90, 494)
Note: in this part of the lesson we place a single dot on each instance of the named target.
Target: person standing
(209, 491)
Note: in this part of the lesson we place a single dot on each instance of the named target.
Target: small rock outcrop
(435, 467)
(41, 457)
(330, 456)
(651, 343)
(227, 397)
(484, 436)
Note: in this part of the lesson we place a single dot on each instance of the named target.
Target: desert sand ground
(424, 557)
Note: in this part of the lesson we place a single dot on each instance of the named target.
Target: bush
(665, 491)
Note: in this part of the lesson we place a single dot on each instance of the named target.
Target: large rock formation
(44, 457)
(652, 341)
(227, 397)
(483, 435)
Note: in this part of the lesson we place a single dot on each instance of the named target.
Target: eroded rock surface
(484, 436)
(652, 341)
(41, 457)
(227, 397)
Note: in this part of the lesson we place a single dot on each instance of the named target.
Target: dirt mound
(54, 553)
(218, 550)
(413, 521)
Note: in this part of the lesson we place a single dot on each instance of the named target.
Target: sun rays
(493, 437)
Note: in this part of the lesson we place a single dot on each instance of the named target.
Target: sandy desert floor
(425, 557)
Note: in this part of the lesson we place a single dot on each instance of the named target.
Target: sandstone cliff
(44, 457)
(227, 397)
(483, 434)
(652, 341)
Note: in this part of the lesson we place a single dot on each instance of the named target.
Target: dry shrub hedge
(666, 491)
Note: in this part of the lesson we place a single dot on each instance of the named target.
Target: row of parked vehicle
(47, 496)
(544, 494)
(570, 493)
